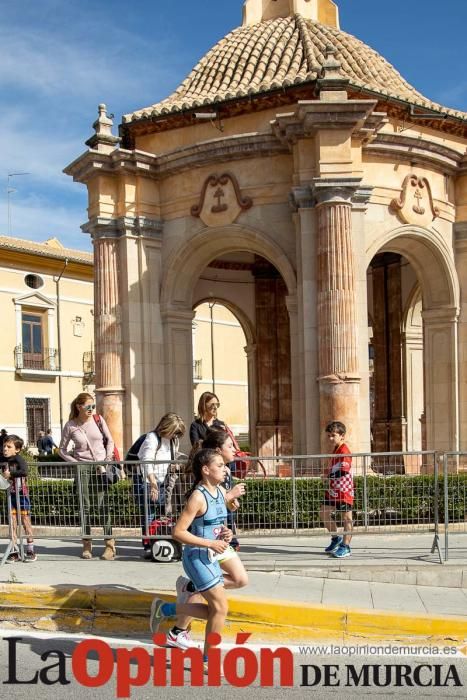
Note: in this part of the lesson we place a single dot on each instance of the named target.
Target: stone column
(441, 377)
(250, 351)
(303, 322)
(460, 239)
(178, 343)
(339, 380)
(108, 334)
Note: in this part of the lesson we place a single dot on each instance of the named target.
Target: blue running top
(209, 525)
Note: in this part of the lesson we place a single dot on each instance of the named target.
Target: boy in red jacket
(339, 494)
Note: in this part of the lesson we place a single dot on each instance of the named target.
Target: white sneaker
(182, 592)
(182, 640)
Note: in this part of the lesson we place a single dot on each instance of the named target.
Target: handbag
(242, 466)
(113, 472)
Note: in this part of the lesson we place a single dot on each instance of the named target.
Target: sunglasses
(178, 434)
(90, 407)
(213, 405)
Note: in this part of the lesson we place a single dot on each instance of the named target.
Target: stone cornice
(181, 316)
(101, 227)
(440, 315)
(361, 197)
(396, 147)
(335, 191)
(155, 167)
(311, 116)
(301, 198)
(331, 191)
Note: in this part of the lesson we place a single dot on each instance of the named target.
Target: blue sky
(60, 58)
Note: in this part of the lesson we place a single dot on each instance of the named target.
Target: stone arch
(239, 314)
(184, 266)
(181, 271)
(430, 257)
(433, 263)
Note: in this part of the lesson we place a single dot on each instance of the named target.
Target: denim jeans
(154, 508)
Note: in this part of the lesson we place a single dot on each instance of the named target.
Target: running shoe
(156, 616)
(182, 591)
(182, 640)
(342, 551)
(334, 546)
(31, 555)
(12, 558)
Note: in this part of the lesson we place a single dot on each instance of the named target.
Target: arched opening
(251, 276)
(413, 307)
(220, 363)
(396, 355)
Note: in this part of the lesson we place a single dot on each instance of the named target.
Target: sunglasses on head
(90, 407)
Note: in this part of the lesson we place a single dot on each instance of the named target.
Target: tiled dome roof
(277, 54)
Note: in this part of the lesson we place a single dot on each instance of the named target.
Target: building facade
(46, 299)
(220, 363)
(298, 178)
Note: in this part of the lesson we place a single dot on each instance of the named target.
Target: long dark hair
(215, 439)
(202, 457)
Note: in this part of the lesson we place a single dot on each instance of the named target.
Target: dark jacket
(199, 429)
(18, 469)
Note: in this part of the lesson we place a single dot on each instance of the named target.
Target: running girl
(201, 529)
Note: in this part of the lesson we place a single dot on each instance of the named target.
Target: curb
(125, 611)
(441, 576)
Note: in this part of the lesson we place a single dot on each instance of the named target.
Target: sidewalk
(391, 585)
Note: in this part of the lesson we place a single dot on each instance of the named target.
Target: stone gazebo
(297, 178)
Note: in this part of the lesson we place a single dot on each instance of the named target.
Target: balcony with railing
(43, 362)
(197, 370)
(89, 367)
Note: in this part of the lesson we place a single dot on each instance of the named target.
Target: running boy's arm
(196, 506)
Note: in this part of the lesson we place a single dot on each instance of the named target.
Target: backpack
(132, 454)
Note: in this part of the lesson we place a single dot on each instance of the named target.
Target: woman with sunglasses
(206, 419)
(88, 446)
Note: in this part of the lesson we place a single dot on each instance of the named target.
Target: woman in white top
(159, 449)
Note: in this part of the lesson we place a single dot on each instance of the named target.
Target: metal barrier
(15, 532)
(394, 492)
(453, 505)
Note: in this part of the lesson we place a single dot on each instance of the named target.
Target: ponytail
(201, 458)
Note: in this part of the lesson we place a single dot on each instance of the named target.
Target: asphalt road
(40, 665)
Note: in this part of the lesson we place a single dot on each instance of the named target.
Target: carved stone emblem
(415, 204)
(221, 201)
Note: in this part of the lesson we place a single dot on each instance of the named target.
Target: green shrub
(268, 503)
